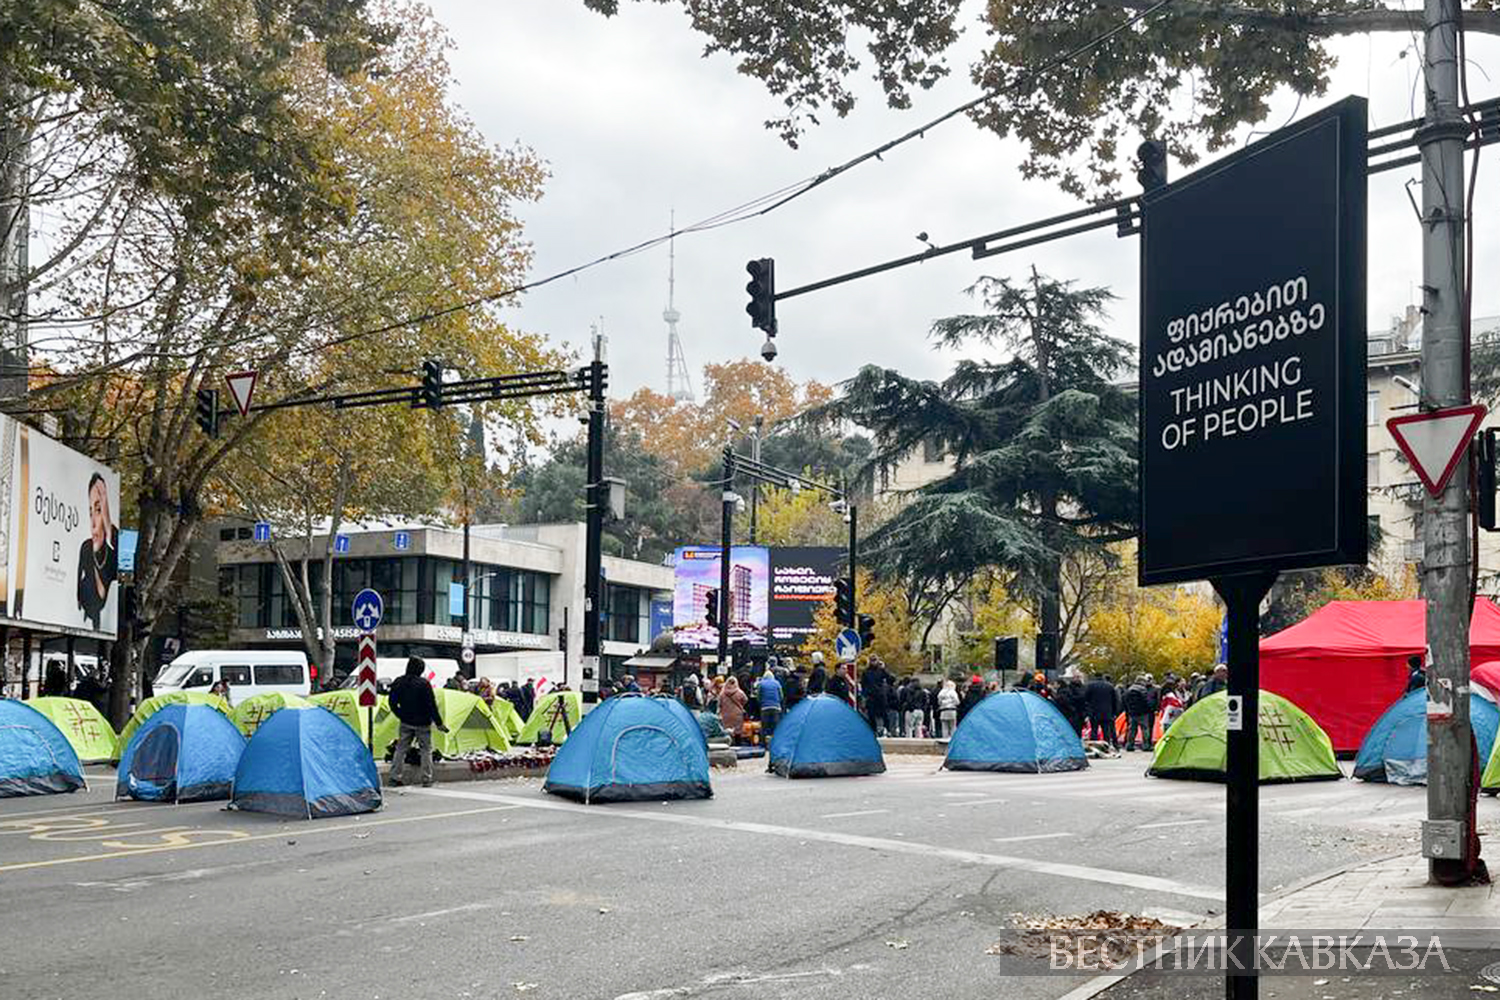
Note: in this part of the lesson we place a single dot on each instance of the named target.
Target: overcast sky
(634, 123)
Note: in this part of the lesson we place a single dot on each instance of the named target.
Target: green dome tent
(547, 714)
(151, 706)
(1292, 746)
(88, 732)
(508, 718)
(250, 713)
(471, 725)
(345, 704)
(1490, 781)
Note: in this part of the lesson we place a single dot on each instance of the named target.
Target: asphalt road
(890, 886)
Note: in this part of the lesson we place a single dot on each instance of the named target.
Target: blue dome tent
(1395, 748)
(689, 719)
(629, 749)
(182, 753)
(306, 762)
(1015, 731)
(35, 757)
(822, 737)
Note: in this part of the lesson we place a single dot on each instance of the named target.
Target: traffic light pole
(853, 621)
(725, 529)
(593, 558)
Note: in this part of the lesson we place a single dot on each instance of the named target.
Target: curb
(1099, 984)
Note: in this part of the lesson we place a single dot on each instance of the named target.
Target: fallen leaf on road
(1478, 988)
(519, 937)
(1320, 982)
(523, 987)
(898, 945)
(603, 909)
(360, 836)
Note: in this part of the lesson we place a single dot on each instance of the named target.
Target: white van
(388, 668)
(248, 671)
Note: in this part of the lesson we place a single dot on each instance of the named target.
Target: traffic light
(1007, 650)
(1485, 462)
(208, 411)
(1151, 164)
(432, 384)
(762, 289)
(843, 600)
(711, 608)
(866, 631)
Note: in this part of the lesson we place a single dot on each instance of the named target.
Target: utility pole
(755, 483)
(726, 528)
(593, 564)
(1445, 382)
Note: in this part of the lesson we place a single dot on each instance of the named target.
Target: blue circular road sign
(368, 610)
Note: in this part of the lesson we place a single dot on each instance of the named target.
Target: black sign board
(801, 579)
(1252, 383)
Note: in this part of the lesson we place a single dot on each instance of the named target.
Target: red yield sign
(1434, 441)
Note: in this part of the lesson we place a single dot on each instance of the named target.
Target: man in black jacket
(415, 706)
(1138, 712)
(1099, 706)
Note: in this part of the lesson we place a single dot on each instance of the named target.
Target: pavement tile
(1474, 905)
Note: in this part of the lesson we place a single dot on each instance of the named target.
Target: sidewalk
(1391, 895)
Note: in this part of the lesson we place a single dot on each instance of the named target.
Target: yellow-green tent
(547, 715)
(149, 707)
(345, 704)
(91, 735)
(250, 713)
(471, 725)
(1490, 781)
(509, 719)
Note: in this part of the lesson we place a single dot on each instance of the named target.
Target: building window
(1372, 407)
(1372, 469)
(622, 614)
(226, 534)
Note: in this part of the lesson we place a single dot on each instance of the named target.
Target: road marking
(861, 812)
(192, 874)
(1175, 822)
(978, 802)
(1029, 836)
(963, 795)
(1149, 883)
(433, 914)
(301, 831)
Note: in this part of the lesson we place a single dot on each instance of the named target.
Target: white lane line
(978, 802)
(433, 914)
(860, 812)
(963, 795)
(1029, 836)
(1175, 822)
(1084, 873)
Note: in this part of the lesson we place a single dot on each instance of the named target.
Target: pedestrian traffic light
(843, 600)
(1484, 460)
(866, 631)
(762, 289)
(1007, 650)
(1151, 164)
(711, 608)
(432, 384)
(208, 411)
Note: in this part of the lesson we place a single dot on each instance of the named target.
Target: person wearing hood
(768, 689)
(793, 687)
(692, 693)
(947, 709)
(732, 706)
(1138, 713)
(817, 682)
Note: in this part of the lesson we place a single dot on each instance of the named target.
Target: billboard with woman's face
(59, 534)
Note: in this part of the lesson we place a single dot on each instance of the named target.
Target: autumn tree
(893, 627)
(1152, 631)
(401, 249)
(1127, 80)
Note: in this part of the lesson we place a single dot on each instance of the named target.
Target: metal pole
(755, 480)
(853, 567)
(593, 565)
(26, 667)
(1446, 556)
(463, 634)
(726, 530)
(72, 663)
(1242, 596)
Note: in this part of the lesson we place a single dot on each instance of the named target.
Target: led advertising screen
(801, 580)
(698, 577)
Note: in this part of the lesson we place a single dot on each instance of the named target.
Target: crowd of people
(906, 707)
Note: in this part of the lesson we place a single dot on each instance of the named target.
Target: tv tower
(679, 384)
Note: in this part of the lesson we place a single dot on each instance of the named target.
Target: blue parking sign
(262, 531)
(403, 540)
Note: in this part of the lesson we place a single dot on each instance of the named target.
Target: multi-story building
(525, 592)
(739, 593)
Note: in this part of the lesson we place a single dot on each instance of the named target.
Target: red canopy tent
(1346, 662)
